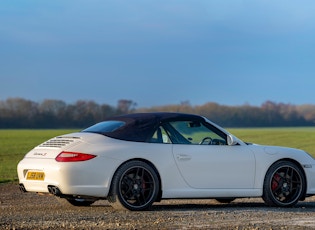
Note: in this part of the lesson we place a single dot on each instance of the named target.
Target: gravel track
(31, 211)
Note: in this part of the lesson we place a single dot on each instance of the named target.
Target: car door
(215, 166)
(204, 159)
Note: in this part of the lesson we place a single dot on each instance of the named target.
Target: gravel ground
(31, 211)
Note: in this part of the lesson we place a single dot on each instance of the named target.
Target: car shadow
(302, 206)
(212, 205)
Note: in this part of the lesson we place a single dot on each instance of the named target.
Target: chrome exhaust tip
(54, 190)
(22, 188)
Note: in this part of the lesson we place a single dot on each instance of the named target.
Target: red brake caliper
(275, 182)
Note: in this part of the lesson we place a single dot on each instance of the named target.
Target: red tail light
(73, 157)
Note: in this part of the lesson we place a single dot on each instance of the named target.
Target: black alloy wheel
(284, 184)
(135, 186)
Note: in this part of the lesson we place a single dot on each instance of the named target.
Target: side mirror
(231, 140)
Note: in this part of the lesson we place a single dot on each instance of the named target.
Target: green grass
(301, 138)
(14, 144)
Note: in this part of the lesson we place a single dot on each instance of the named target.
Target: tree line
(22, 113)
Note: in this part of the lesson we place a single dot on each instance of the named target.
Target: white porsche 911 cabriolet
(135, 160)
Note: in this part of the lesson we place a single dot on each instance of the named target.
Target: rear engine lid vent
(60, 142)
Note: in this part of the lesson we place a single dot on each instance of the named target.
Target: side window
(160, 136)
(195, 132)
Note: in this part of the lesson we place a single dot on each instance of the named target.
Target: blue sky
(158, 52)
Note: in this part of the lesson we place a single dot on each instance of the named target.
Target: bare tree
(126, 106)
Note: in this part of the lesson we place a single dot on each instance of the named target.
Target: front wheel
(284, 184)
(135, 186)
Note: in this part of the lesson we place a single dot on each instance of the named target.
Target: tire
(135, 186)
(225, 200)
(75, 202)
(284, 184)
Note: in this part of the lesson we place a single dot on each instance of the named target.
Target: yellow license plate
(35, 175)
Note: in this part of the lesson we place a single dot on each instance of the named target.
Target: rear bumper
(81, 178)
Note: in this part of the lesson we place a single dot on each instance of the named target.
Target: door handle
(182, 157)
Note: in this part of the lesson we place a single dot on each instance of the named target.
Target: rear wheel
(284, 184)
(135, 186)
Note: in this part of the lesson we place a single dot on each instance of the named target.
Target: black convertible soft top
(140, 126)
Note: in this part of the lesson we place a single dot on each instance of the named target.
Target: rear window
(105, 127)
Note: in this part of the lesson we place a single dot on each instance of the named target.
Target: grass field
(14, 144)
(301, 138)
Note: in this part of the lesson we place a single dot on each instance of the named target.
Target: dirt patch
(31, 211)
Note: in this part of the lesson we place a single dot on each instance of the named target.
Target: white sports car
(137, 159)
